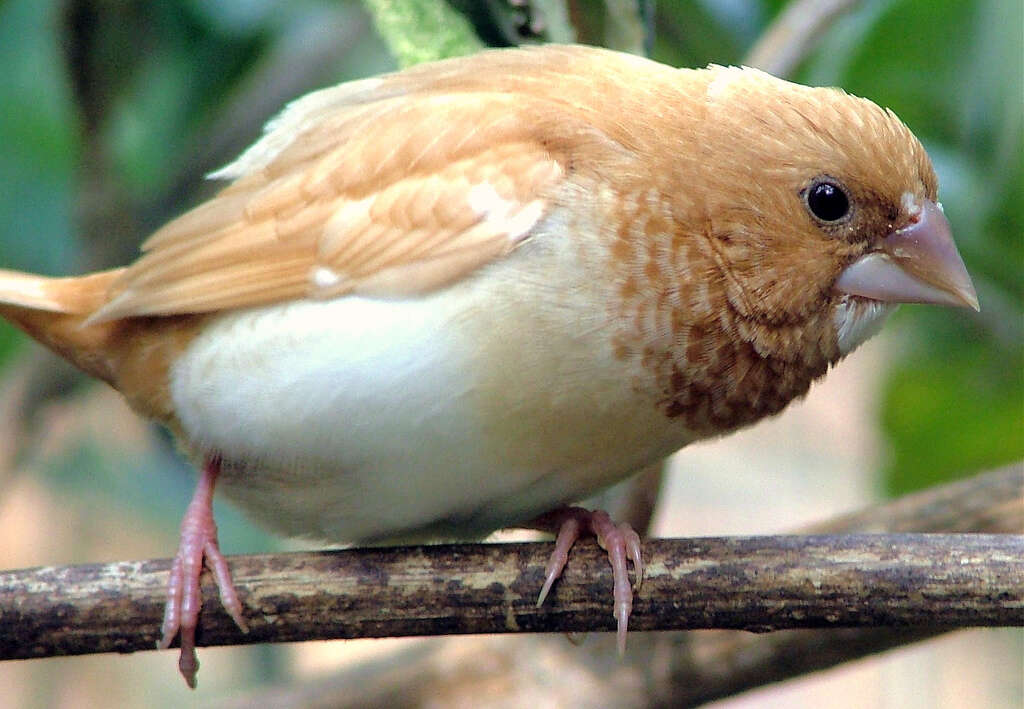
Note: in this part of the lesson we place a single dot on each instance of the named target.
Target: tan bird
(462, 296)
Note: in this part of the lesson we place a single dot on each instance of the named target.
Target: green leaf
(952, 415)
(422, 30)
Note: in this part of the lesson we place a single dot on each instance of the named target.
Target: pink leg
(619, 540)
(198, 541)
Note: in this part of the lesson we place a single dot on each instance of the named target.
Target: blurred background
(112, 111)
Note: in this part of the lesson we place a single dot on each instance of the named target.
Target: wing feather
(390, 186)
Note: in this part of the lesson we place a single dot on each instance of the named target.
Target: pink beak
(916, 264)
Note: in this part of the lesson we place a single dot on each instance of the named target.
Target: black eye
(827, 201)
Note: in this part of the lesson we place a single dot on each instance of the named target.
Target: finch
(459, 297)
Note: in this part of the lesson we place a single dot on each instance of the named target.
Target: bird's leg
(198, 542)
(619, 540)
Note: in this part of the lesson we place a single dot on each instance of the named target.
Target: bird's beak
(916, 264)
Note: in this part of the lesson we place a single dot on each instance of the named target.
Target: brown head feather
(725, 277)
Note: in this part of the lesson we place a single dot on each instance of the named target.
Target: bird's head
(830, 208)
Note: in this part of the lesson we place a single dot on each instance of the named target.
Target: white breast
(479, 405)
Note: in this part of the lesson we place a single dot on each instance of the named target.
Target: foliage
(422, 30)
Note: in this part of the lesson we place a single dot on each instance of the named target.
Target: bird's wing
(376, 186)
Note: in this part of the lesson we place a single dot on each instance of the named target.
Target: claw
(568, 533)
(620, 541)
(184, 598)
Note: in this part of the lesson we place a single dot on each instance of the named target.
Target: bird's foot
(619, 540)
(184, 598)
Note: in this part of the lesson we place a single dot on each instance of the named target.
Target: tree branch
(794, 34)
(752, 583)
(666, 669)
(713, 665)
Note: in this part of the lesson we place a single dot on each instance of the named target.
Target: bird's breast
(476, 406)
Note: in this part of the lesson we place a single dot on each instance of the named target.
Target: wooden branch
(671, 669)
(752, 583)
(708, 666)
(987, 503)
(794, 33)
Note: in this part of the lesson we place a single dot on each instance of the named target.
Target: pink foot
(619, 540)
(198, 541)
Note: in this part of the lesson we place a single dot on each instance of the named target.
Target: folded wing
(373, 187)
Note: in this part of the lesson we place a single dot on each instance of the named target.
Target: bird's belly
(359, 419)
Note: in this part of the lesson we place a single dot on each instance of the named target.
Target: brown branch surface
(794, 34)
(712, 665)
(752, 583)
(681, 669)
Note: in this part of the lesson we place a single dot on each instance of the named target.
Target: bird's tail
(54, 310)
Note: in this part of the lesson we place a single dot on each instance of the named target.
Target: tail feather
(80, 295)
(54, 310)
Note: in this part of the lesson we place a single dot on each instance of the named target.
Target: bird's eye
(827, 201)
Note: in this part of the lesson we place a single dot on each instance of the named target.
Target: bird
(466, 295)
